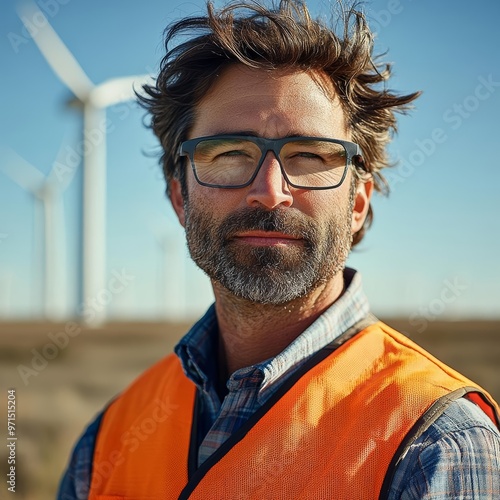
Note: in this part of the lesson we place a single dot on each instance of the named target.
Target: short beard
(269, 275)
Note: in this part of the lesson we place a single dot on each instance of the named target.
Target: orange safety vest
(337, 430)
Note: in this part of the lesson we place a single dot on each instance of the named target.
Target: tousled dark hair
(282, 36)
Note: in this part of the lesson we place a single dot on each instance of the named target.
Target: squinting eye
(306, 154)
(234, 152)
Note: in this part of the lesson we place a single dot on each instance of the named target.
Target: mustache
(289, 222)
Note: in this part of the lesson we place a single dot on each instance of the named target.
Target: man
(274, 131)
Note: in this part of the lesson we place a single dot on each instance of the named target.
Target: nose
(269, 189)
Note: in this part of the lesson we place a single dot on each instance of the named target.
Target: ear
(362, 198)
(177, 200)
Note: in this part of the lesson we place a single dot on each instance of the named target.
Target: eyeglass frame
(188, 147)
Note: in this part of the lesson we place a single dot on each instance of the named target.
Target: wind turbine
(47, 192)
(94, 100)
(173, 272)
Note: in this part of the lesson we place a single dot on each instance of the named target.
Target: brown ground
(56, 404)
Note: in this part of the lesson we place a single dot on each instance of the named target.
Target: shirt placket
(240, 402)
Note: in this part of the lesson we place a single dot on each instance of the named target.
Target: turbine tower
(172, 276)
(94, 100)
(48, 192)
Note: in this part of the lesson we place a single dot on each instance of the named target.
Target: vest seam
(192, 464)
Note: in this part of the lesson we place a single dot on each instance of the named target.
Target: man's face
(269, 242)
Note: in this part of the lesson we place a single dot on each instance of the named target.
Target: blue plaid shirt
(457, 457)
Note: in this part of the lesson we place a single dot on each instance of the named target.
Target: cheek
(212, 202)
(322, 203)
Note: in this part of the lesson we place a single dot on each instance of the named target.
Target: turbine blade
(116, 90)
(62, 61)
(20, 171)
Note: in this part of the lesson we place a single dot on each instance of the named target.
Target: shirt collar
(197, 350)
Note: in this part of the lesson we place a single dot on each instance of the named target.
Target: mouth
(267, 238)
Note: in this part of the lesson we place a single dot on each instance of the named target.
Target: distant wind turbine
(47, 192)
(94, 99)
(172, 276)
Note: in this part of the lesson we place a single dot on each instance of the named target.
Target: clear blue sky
(433, 249)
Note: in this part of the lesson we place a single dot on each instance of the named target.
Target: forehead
(269, 103)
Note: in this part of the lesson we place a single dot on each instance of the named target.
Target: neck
(251, 332)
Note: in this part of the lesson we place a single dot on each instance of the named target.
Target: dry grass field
(58, 397)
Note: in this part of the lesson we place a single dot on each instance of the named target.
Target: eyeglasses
(233, 161)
